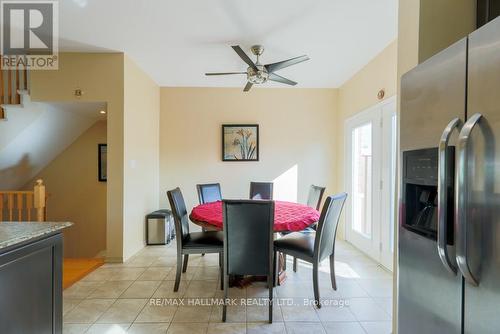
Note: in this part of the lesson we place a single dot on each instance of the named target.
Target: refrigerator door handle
(442, 233)
(461, 192)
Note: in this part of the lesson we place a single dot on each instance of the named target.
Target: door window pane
(362, 180)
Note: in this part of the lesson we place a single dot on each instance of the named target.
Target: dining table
(288, 217)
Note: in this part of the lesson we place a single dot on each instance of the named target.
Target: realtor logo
(29, 35)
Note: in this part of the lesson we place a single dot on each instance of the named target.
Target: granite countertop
(18, 232)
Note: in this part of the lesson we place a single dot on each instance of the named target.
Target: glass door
(362, 132)
(362, 177)
(370, 181)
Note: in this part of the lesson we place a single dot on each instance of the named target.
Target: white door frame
(388, 185)
(378, 246)
(366, 244)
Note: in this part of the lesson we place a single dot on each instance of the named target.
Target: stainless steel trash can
(159, 227)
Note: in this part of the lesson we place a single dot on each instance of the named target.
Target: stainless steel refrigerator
(449, 224)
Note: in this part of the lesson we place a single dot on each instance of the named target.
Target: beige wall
(133, 112)
(141, 154)
(442, 23)
(76, 195)
(100, 76)
(426, 27)
(296, 134)
(360, 91)
(358, 94)
(408, 35)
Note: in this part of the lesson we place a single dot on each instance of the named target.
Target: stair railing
(30, 205)
(11, 82)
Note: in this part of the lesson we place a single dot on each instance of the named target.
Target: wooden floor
(75, 269)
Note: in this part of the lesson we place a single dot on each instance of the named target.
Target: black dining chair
(209, 192)
(261, 190)
(248, 243)
(314, 201)
(315, 196)
(190, 243)
(317, 246)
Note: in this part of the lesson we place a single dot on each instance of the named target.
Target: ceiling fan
(258, 73)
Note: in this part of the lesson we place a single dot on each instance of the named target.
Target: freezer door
(429, 295)
(432, 94)
(482, 200)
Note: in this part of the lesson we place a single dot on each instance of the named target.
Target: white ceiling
(177, 41)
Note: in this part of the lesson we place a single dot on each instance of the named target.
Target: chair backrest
(209, 192)
(324, 243)
(179, 212)
(261, 190)
(248, 236)
(315, 196)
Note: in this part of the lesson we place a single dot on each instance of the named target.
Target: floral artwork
(240, 142)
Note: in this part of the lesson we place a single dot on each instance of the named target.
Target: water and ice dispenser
(420, 191)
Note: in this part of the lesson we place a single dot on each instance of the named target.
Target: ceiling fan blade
(279, 78)
(225, 73)
(285, 63)
(248, 86)
(244, 56)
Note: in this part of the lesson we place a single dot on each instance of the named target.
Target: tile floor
(118, 298)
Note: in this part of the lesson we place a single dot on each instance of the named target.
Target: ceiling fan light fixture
(259, 74)
(257, 77)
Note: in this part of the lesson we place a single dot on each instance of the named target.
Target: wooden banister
(39, 200)
(9, 87)
(12, 80)
(18, 97)
(24, 205)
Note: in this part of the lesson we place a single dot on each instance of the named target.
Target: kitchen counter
(31, 259)
(15, 233)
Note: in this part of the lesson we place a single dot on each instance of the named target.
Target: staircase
(12, 82)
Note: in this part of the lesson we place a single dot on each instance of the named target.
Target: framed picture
(240, 142)
(102, 151)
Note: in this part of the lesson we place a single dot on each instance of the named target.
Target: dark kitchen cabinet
(31, 286)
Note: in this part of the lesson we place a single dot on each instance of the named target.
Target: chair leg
(332, 272)
(270, 285)
(185, 265)
(226, 287)
(204, 230)
(276, 269)
(315, 284)
(221, 272)
(294, 264)
(284, 261)
(178, 272)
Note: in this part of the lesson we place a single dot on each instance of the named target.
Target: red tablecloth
(287, 216)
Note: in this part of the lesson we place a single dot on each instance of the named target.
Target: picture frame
(240, 142)
(102, 154)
